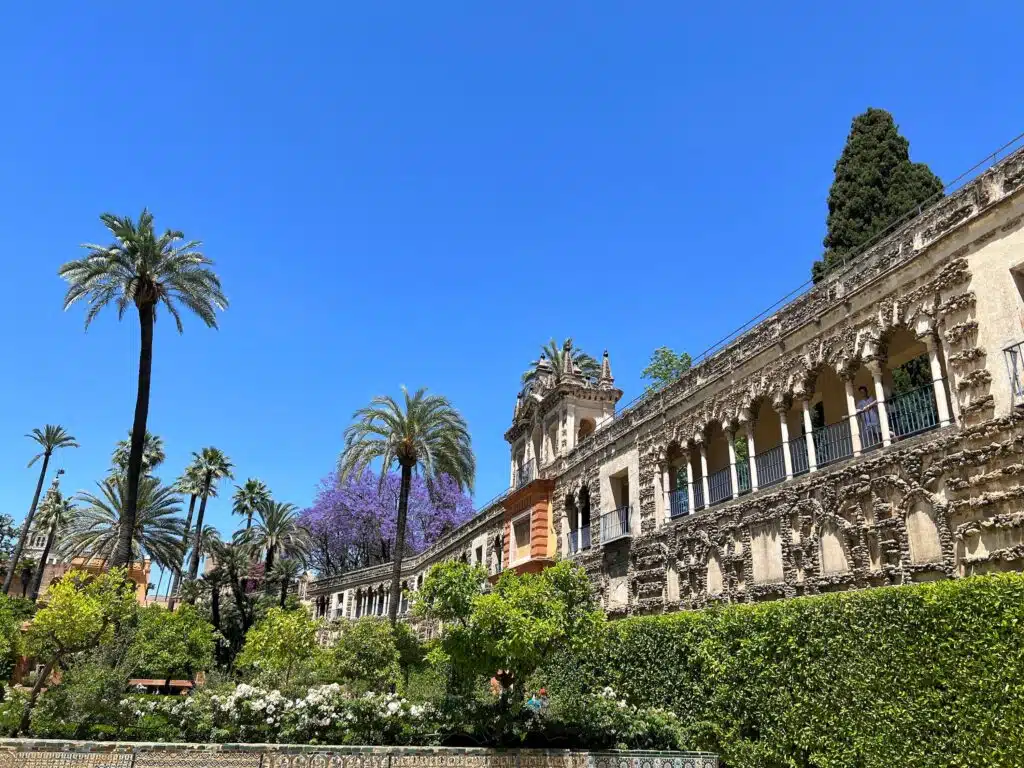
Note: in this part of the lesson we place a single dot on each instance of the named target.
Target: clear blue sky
(423, 193)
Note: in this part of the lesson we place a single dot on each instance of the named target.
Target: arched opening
(923, 534)
(719, 472)
(907, 383)
(832, 550)
(586, 428)
(769, 460)
(579, 537)
(678, 493)
(358, 608)
(715, 578)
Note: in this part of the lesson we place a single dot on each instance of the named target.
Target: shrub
(922, 675)
(366, 655)
(280, 645)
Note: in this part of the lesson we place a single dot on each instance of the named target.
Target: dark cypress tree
(875, 184)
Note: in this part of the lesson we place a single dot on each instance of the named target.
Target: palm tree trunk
(37, 581)
(123, 553)
(268, 563)
(13, 563)
(184, 548)
(284, 591)
(40, 682)
(396, 572)
(248, 520)
(193, 565)
(215, 606)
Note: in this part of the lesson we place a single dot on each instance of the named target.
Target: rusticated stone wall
(20, 753)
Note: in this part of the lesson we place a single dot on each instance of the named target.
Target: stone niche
(766, 552)
(923, 534)
(832, 550)
(716, 581)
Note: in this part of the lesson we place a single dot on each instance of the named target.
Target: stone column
(666, 487)
(579, 526)
(730, 436)
(883, 414)
(938, 384)
(851, 410)
(784, 427)
(512, 473)
(689, 481)
(704, 473)
(751, 454)
(812, 453)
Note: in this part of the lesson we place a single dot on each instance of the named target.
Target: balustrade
(720, 486)
(698, 495)
(912, 412)
(771, 466)
(579, 539)
(832, 443)
(678, 503)
(615, 524)
(798, 455)
(1014, 356)
(870, 428)
(526, 473)
(743, 476)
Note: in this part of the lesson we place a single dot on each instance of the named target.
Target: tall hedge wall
(921, 675)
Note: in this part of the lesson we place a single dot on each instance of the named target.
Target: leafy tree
(173, 643)
(50, 438)
(81, 613)
(152, 453)
(146, 270)
(284, 573)
(99, 525)
(352, 524)
(366, 655)
(278, 531)
(912, 375)
(249, 498)
(665, 367)
(558, 356)
(426, 434)
(279, 644)
(55, 514)
(510, 630)
(875, 184)
(8, 538)
(213, 466)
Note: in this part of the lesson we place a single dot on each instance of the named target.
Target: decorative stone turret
(606, 380)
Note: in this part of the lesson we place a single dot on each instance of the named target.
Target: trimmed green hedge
(921, 675)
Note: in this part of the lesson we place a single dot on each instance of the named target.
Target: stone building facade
(869, 432)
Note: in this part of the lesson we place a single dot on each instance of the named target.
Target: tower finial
(606, 380)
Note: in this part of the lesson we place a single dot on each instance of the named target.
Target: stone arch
(833, 545)
(714, 573)
(586, 428)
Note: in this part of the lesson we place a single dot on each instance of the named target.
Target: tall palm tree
(152, 453)
(99, 525)
(55, 513)
(213, 466)
(284, 573)
(558, 356)
(50, 438)
(190, 483)
(424, 434)
(277, 531)
(248, 498)
(141, 268)
(234, 561)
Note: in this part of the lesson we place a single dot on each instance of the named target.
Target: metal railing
(698, 495)
(832, 443)
(798, 455)
(615, 524)
(743, 476)
(579, 539)
(679, 503)
(870, 428)
(526, 473)
(720, 485)
(1014, 355)
(912, 412)
(771, 466)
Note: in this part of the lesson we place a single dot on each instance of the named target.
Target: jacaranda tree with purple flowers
(352, 524)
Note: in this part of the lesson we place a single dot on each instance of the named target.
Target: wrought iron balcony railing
(527, 473)
(771, 466)
(615, 525)
(720, 485)
(579, 539)
(679, 503)
(698, 495)
(912, 412)
(798, 455)
(869, 427)
(1014, 355)
(743, 476)
(832, 443)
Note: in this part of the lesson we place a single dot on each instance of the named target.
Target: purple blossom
(353, 523)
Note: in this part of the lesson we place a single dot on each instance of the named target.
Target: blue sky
(422, 194)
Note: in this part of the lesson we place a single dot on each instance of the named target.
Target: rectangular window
(480, 555)
(521, 538)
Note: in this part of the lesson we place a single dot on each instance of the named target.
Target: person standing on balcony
(871, 431)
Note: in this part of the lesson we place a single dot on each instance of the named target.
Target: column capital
(929, 339)
(727, 426)
(875, 366)
(745, 417)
